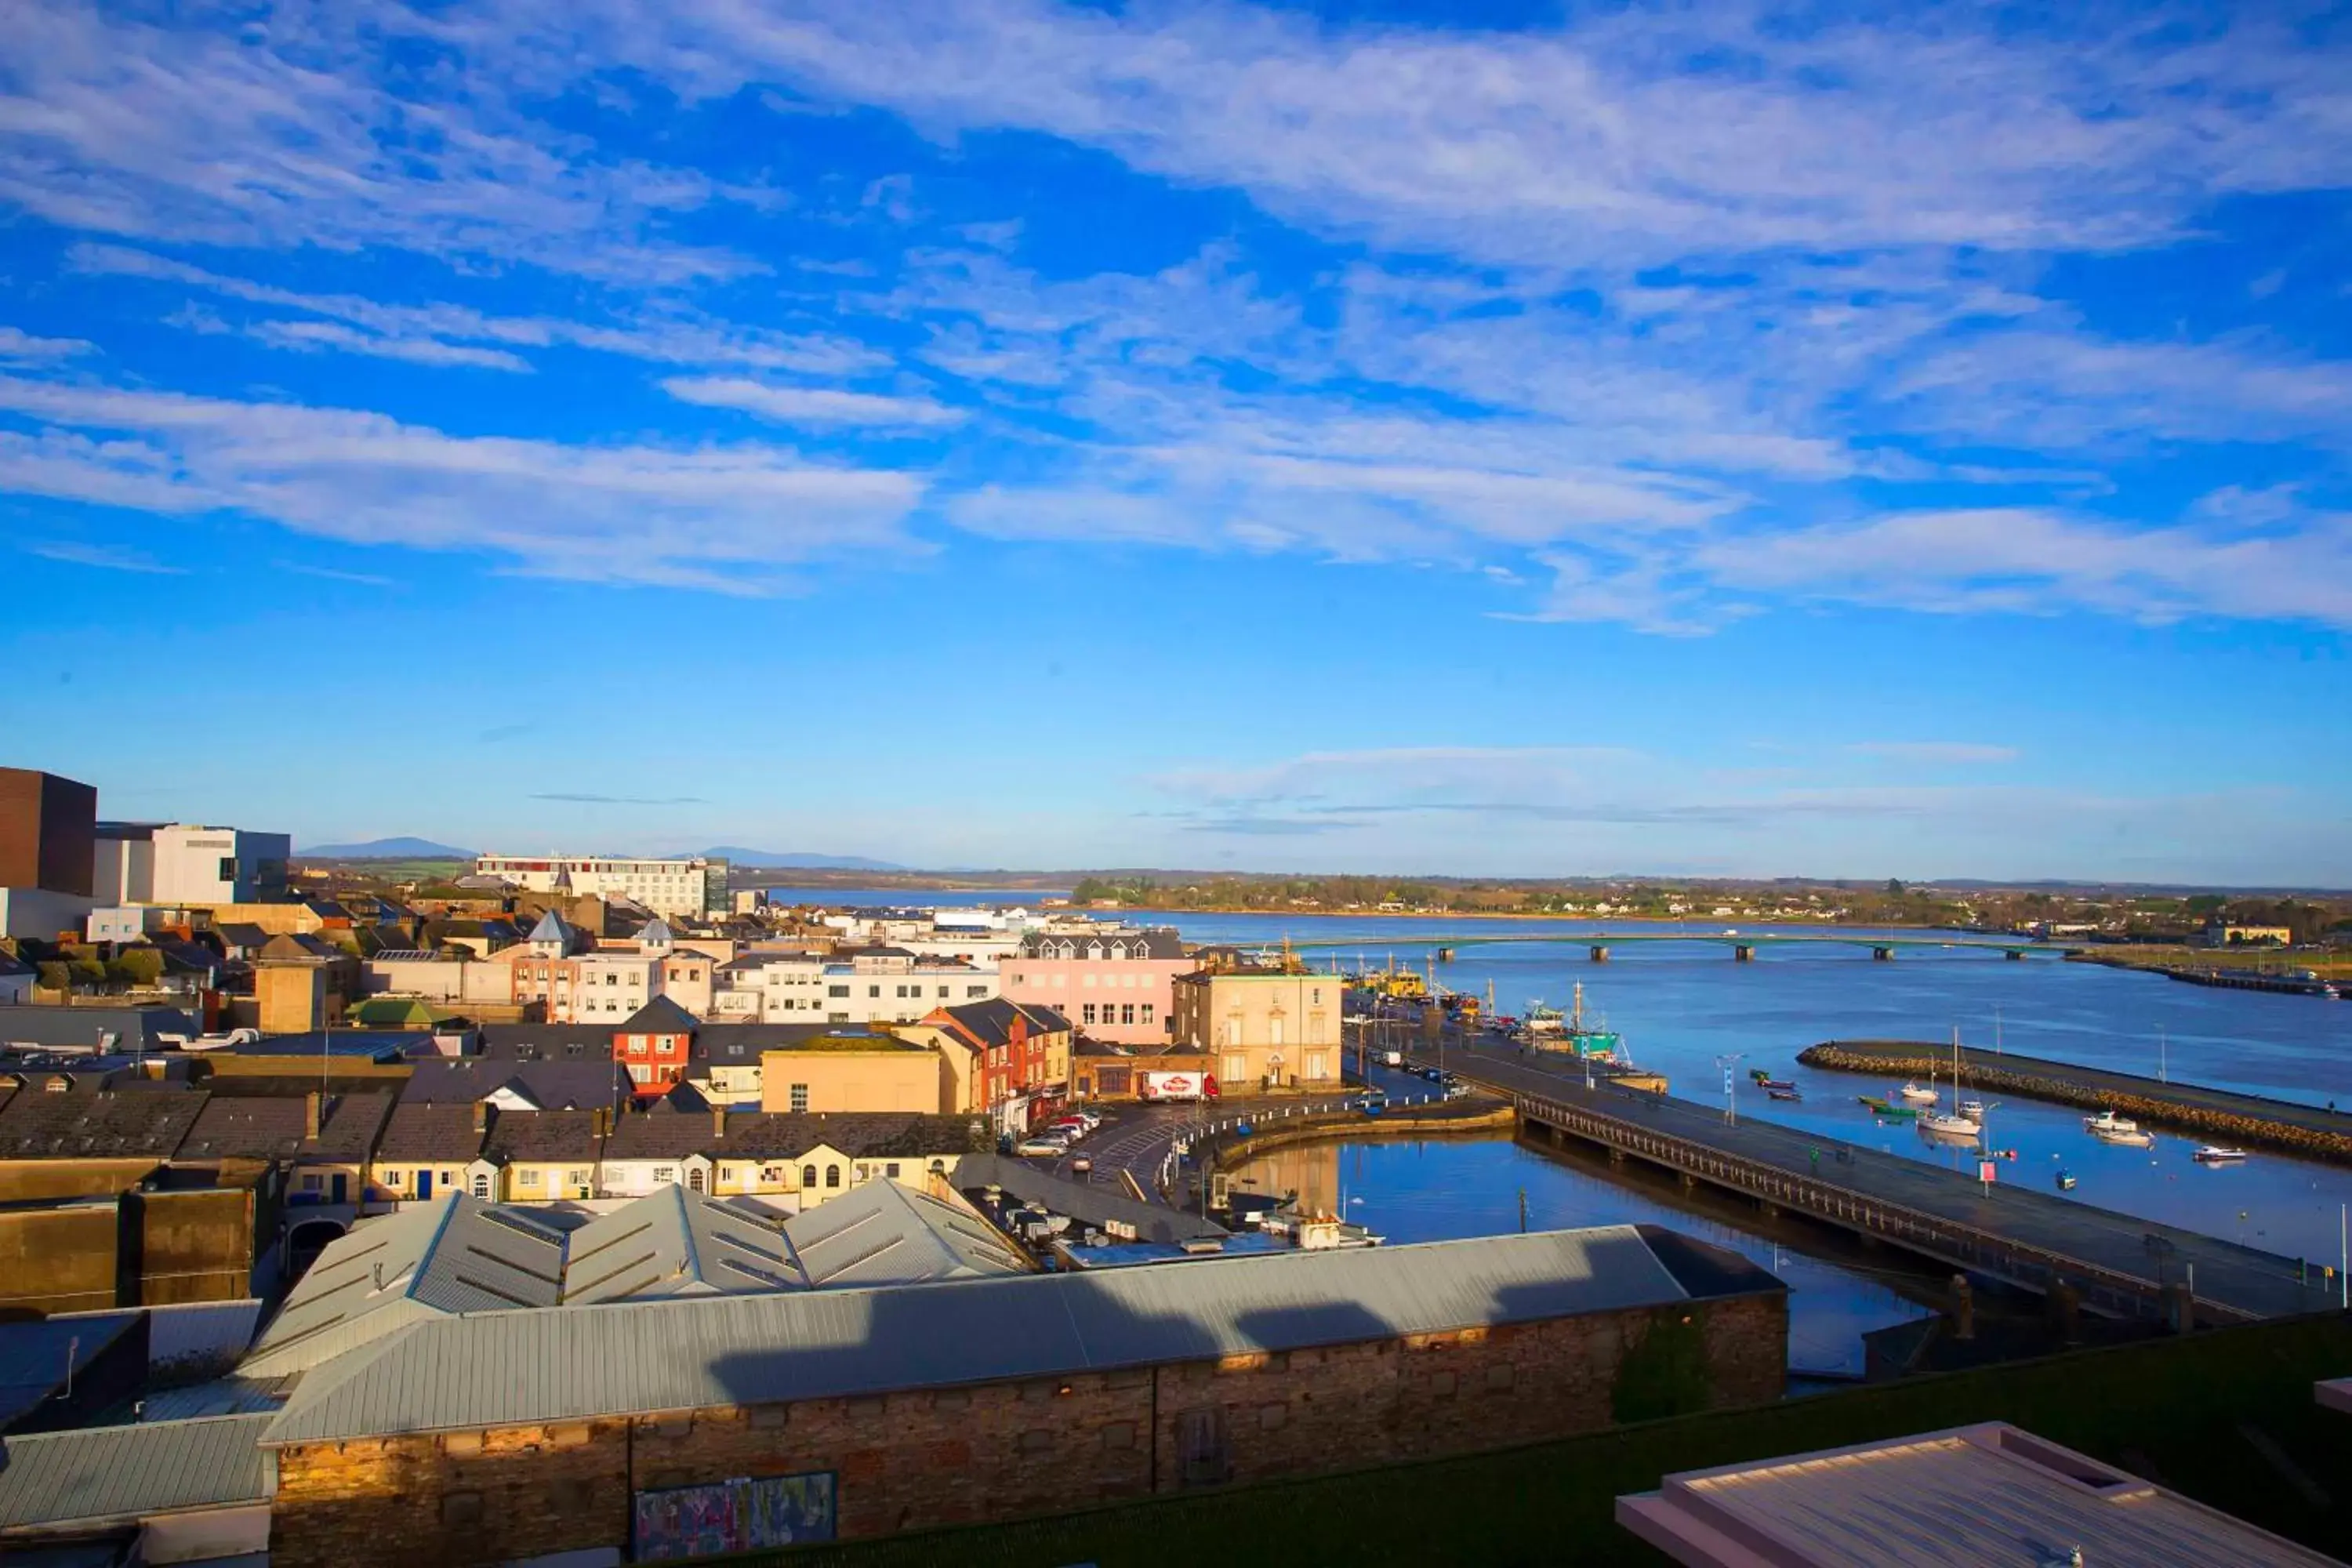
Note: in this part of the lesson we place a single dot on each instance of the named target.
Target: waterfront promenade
(2116, 1262)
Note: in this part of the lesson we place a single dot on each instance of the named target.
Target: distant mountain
(384, 849)
(768, 860)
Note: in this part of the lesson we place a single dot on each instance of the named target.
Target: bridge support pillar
(1743, 953)
(1881, 953)
(1964, 1307)
(1600, 954)
(2179, 1309)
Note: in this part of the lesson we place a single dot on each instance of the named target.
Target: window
(808, 1175)
(1126, 1012)
(575, 1178)
(640, 1073)
(310, 1183)
(482, 1188)
(969, 991)
(1315, 998)
(527, 1177)
(1089, 1014)
(694, 1178)
(874, 991)
(772, 1174)
(636, 1045)
(891, 1170)
(800, 1097)
(943, 992)
(448, 1178)
(1089, 981)
(833, 1176)
(1147, 1011)
(836, 990)
(665, 1175)
(1200, 1447)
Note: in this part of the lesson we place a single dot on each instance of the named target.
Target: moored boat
(2065, 1180)
(2108, 1121)
(1941, 1125)
(2126, 1136)
(2214, 1154)
(1917, 1096)
(1782, 1092)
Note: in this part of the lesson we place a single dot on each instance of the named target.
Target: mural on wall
(743, 1514)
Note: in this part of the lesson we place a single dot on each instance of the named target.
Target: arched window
(833, 1176)
(694, 1177)
(939, 1167)
(808, 1175)
(482, 1188)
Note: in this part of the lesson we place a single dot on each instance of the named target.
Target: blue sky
(1495, 438)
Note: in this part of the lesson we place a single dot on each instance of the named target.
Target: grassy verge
(2179, 1411)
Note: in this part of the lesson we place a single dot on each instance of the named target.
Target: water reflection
(1442, 1190)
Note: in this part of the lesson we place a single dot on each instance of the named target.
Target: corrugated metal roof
(34, 1355)
(514, 1368)
(113, 1472)
(882, 1233)
(457, 1254)
(676, 1243)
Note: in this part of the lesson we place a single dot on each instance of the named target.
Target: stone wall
(943, 1456)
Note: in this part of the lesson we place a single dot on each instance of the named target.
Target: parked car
(1082, 1165)
(1040, 1148)
(1432, 1075)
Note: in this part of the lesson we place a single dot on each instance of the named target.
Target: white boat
(1917, 1096)
(2108, 1121)
(2126, 1137)
(2213, 1154)
(1973, 1108)
(1943, 1126)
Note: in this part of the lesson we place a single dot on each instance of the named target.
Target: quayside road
(2116, 1261)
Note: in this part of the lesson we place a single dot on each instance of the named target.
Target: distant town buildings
(694, 885)
(1265, 1029)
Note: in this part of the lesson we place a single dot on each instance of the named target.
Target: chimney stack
(481, 1116)
(313, 1105)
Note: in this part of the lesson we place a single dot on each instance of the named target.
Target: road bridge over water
(1743, 945)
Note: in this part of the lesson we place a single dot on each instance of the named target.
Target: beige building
(1263, 1030)
(855, 1072)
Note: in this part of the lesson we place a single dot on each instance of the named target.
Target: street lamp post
(1730, 1099)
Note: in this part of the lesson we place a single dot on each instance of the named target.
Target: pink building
(1114, 984)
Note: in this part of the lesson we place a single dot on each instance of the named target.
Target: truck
(1174, 1086)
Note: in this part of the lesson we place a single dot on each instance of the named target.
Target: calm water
(1446, 1189)
(1680, 1005)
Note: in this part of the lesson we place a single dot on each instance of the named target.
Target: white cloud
(810, 405)
(728, 518)
(105, 557)
(310, 336)
(17, 346)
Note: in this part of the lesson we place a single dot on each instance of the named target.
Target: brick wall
(919, 1460)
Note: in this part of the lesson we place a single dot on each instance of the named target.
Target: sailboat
(1968, 1121)
(1917, 1096)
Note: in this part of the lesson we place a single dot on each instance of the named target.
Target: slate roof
(664, 1132)
(270, 1128)
(546, 1042)
(119, 1472)
(454, 1255)
(297, 947)
(552, 927)
(536, 1135)
(576, 1084)
(659, 1017)
(860, 1134)
(1154, 941)
(430, 1134)
(989, 1022)
(242, 934)
(523, 1368)
(108, 1124)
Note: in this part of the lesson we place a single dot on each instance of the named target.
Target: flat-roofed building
(47, 832)
(199, 867)
(1264, 1028)
(1114, 984)
(1987, 1493)
(692, 886)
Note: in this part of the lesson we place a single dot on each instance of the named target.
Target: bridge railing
(2132, 1294)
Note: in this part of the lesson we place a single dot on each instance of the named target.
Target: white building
(123, 868)
(697, 887)
(888, 985)
(197, 865)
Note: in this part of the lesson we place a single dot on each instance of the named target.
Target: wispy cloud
(334, 575)
(21, 347)
(810, 405)
(105, 557)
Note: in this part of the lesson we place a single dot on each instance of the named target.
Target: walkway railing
(1952, 1240)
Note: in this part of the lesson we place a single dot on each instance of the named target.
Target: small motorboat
(1873, 1101)
(2213, 1154)
(2107, 1121)
(1973, 1108)
(1769, 1084)
(1900, 1113)
(1782, 1092)
(1917, 1096)
(2065, 1180)
(2124, 1137)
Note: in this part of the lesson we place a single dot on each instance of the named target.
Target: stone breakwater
(2243, 1120)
